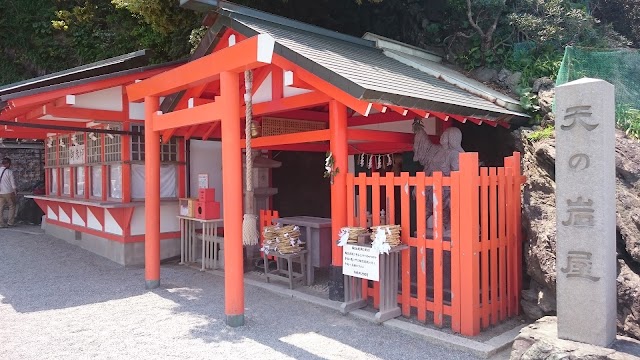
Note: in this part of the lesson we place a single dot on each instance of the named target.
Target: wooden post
(125, 143)
(152, 195)
(340, 152)
(232, 199)
(469, 259)
(517, 171)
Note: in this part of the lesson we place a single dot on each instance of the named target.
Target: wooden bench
(288, 274)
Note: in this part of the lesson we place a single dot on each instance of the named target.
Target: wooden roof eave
(16, 104)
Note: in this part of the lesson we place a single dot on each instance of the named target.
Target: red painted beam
(291, 79)
(42, 98)
(379, 136)
(248, 54)
(209, 132)
(188, 117)
(167, 135)
(289, 103)
(362, 107)
(377, 118)
(378, 148)
(379, 107)
(277, 83)
(23, 134)
(67, 100)
(83, 113)
(45, 123)
(197, 101)
(400, 110)
(259, 76)
(189, 133)
(309, 147)
(287, 139)
(36, 113)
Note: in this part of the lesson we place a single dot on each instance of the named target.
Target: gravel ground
(59, 301)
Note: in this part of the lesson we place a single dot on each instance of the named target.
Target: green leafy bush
(628, 120)
(534, 66)
(529, 104)
(545, 133)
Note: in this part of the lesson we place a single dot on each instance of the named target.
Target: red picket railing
(469, 277)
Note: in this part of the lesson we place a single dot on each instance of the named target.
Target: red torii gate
(225, 65)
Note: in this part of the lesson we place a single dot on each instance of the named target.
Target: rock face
(539, 224)
(540, 341)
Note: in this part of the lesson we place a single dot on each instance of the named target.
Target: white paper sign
(76, 154)
(203, 181)
(361, 262)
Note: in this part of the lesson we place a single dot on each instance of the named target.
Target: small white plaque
(76, 154)
(203, 181)
(361, 262)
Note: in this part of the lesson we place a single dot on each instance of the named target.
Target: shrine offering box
(207, 195)
(207, 210)
(187, 206)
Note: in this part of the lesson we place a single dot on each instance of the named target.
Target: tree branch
(494, 25)
(471, 21)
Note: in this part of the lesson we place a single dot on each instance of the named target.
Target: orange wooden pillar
(339, 149)
(469, 245)
(232, 198)
(152, 195)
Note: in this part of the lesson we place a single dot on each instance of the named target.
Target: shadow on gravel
(289, 326)
(40, 272)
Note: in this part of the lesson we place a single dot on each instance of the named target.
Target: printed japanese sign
(361, 262)
(76, 154)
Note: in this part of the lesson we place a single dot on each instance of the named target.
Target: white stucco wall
(206, 158)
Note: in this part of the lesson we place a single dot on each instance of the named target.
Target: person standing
(8, 193)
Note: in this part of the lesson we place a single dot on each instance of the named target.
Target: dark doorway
(302, 189)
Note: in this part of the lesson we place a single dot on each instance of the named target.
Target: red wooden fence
(468, 278)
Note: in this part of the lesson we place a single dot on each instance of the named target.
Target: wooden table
(316, 232)
(353, 291)
(211, 242)
(292, 276)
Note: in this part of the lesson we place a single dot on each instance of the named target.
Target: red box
(207, 195)
(207, 210)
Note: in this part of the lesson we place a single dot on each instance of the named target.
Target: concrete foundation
(124, 254)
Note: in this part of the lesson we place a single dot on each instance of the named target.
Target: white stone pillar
(586, 211)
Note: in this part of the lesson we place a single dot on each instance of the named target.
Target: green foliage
(476, 57)
(534, 66)
(11, 71)
(545, 133)
(477, 35)
(43, 36)
(628, 120)
(559, 23)
(529, 104)
(164, 16)
(623, 15)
